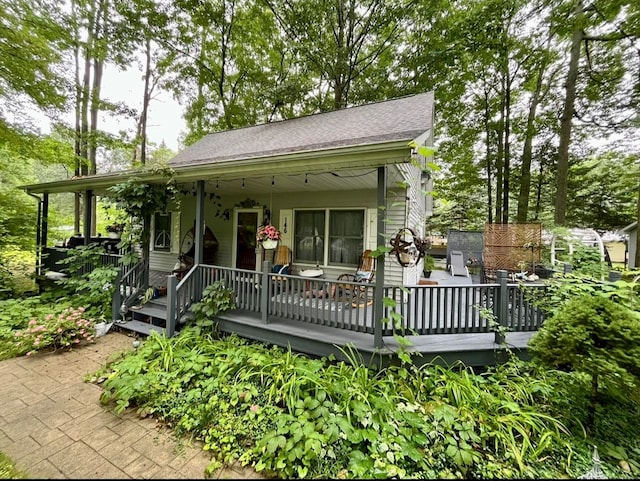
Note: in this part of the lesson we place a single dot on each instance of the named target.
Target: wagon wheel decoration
(409, 252)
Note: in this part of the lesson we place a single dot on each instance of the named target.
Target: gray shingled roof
(393, 120)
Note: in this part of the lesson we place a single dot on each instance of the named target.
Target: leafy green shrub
(592, 335)
(587, 261)
(69, 329)
(216, 299)
(89, 283)
(563, 288)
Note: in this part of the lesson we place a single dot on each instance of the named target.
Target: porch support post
(172, 284)
(378, 288)
(45, 220)
(264, 292)
(39, 249)
(86, 228)
(199, 228)
(502, 305)
(116, 300)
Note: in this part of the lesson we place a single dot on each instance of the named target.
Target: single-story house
(335, 185)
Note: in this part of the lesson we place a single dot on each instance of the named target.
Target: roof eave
(367, 155)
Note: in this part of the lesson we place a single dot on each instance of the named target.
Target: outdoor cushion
(363, 276)
(281, 269)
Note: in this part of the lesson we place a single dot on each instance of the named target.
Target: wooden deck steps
(148, 317)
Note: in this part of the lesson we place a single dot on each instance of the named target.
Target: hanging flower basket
(269, 244)
(268, 236)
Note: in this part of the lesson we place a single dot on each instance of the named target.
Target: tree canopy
(527, 93)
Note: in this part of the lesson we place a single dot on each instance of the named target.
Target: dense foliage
(291, 416)
(296, 417)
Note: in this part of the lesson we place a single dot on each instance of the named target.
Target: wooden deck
(291, 324)
(441, 321)
(473, 349)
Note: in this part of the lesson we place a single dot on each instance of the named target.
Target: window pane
(162, 232)
(308, 236)
(346, 236)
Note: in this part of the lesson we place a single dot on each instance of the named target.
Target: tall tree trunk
(525, 169)
(500, 158)
(487, 117)
(99, 53)
(84, 106)
(145, 103)
(539, 192)
(566, 120)
(341, 66)
(507, 147)
(78, 133)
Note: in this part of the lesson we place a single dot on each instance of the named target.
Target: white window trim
(174, 233)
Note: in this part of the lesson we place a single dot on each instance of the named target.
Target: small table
(311, 274)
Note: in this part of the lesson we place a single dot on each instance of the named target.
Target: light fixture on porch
(306, 180)
(273, 180)
(217, 184)
(243, 182)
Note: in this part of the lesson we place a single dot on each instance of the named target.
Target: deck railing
(420, 310)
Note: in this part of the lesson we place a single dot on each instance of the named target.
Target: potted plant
(427, 265)
(268, 236)
(115, 230)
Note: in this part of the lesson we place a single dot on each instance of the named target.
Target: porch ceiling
(357, 179)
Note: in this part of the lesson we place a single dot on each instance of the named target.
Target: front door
(246, 228)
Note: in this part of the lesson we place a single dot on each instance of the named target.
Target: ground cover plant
(292, 416)
(8, 469)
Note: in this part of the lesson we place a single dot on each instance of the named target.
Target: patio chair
(282, 261)
(457, 265)
(281, 265)
(363, 276)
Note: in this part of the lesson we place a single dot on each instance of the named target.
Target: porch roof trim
(344, 158)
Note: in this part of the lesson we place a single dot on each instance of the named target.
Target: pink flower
(29, 353)
(77, 341)
(32, 322)
(49, 317)
(254, 408)
(18, 334)
(80, 309)
(36, 342)
(59, 330)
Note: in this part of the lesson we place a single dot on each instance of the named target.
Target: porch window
(162, 231)
(309, 236)
(340, 230)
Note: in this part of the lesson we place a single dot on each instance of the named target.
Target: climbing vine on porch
(140, 199)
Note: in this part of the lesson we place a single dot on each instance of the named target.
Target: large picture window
(340, 230)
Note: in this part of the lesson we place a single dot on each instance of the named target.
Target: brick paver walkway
(53, 425)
